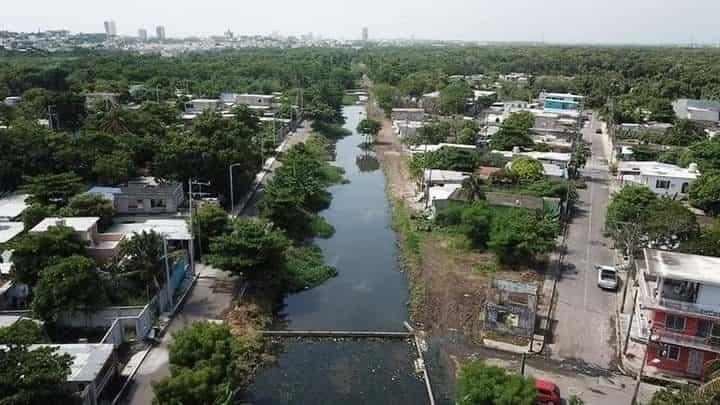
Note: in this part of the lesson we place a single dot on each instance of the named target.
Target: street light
(232, 194)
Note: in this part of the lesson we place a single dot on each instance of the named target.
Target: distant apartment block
(200, 105)
(160, 32)
(142, 34)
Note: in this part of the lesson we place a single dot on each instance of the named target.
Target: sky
(556, 21)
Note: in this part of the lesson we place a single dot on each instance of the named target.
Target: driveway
(210, 299)
(584, 332)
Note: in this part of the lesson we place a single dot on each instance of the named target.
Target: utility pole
(632, 317)
(192, 183)
(232, 194)
(522, 363)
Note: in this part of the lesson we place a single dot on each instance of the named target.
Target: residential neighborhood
(302, 219)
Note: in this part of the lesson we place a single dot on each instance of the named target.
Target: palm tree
(142, 255)
(473, 188)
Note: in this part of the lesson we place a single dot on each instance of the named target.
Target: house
(93, 367)
(440, 196)
(100, 246)
(441, 177)
(661, 178)
(434, 148)
(12, 206)
(408, 114)
(681, 295)
(554, 158)
(703, 111)
(561, 101)
(101, 99)
(431, 102)
(199, 105)
(255, 100)
(12, 101)
(407, 128)
(145, 195)
(511, 307)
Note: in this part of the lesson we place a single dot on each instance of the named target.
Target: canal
(369, 293)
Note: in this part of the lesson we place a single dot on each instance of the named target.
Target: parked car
(607, 277)
(548, 392)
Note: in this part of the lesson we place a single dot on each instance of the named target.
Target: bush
(526, 168)
(481, 384)
(305, 268)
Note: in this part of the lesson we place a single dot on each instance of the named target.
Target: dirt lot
(448, 293)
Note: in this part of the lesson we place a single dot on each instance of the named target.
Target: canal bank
(369, 293)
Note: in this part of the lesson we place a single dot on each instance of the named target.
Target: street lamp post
(232, 193)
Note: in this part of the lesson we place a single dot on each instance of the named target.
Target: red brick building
(682, 294)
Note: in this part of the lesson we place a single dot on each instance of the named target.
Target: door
(695, 363)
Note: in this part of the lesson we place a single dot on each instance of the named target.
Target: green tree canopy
(454, 98)
(91, 205)
(518, 235)
(253, 248)
(37, 376)
(705, 192)
(481, 384)
(33, 252)
(49, 189)
(143, 258)
(72, 284)
(22, 332)
(527, 168)
(210, 221)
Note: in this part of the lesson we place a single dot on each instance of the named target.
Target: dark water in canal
(369, 293)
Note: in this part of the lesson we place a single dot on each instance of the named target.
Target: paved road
(209, 300)
(584, 331)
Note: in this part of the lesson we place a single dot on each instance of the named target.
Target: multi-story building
(365, 34)
(560, 102)
(110, 28)
(703, 111)
(142, 34)
(160, 32)
(681, 292)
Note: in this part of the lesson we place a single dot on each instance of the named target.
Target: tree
(669, 222)
(211, 221)
(369, 127)
(481, 384)
(209, 365)
(686, 132)
(22, 332)
(35, 213)
(71, 285)
(385, 96)
(33, 252)
(37, 376)
(686, 395)
(519, 234)
(527, 168)
(629, 205)
(707, 243)
(705, 192)
(252, 249)
(523, 120)
(91, 205)
(454, 98)
(143, 254)
(114, 168)
(49, 189)
(508, 137)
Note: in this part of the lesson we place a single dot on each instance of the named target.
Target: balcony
(706, 343)
(689, 307)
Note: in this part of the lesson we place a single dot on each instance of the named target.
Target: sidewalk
(210, 299)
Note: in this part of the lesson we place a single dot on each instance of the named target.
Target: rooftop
(658, 169)
(107, 192)
(693, 104)
(172, 229)
(88, 359)
(79, 224)
(9, 230)
(683, 266)
(440, 176)
(13, 205)
(408, 110)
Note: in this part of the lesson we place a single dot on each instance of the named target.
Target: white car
(607, 277)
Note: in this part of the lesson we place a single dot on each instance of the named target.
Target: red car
(547, 392)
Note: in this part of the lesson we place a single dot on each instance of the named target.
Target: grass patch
(321, 228)
(410, 241)
(349, 99)
(487, 268)
(305, 268)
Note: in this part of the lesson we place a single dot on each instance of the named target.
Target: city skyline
(555, 21)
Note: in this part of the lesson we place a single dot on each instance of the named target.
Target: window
(662, 184)
(671, 352)
(136, 205)
(674, 322)
(703, 328)
(157, 203)
(685, 188)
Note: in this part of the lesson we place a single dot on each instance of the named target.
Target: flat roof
(658, 169)
(8, 320)
(9, 230)
(683, 266)
(445, 175)
(88, 358)
(408, 110)
(13, 205)
(443, 192)
(172, 229)
(79, 224)
(205, 100)
(257, 95)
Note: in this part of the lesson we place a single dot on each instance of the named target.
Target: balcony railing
(702, 309)
(662, 334)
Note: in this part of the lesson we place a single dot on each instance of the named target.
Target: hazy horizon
(553, 21)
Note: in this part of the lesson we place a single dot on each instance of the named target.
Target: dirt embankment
(448, 292)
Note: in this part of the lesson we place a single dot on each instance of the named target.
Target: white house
(199, 105)
(661, 178)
